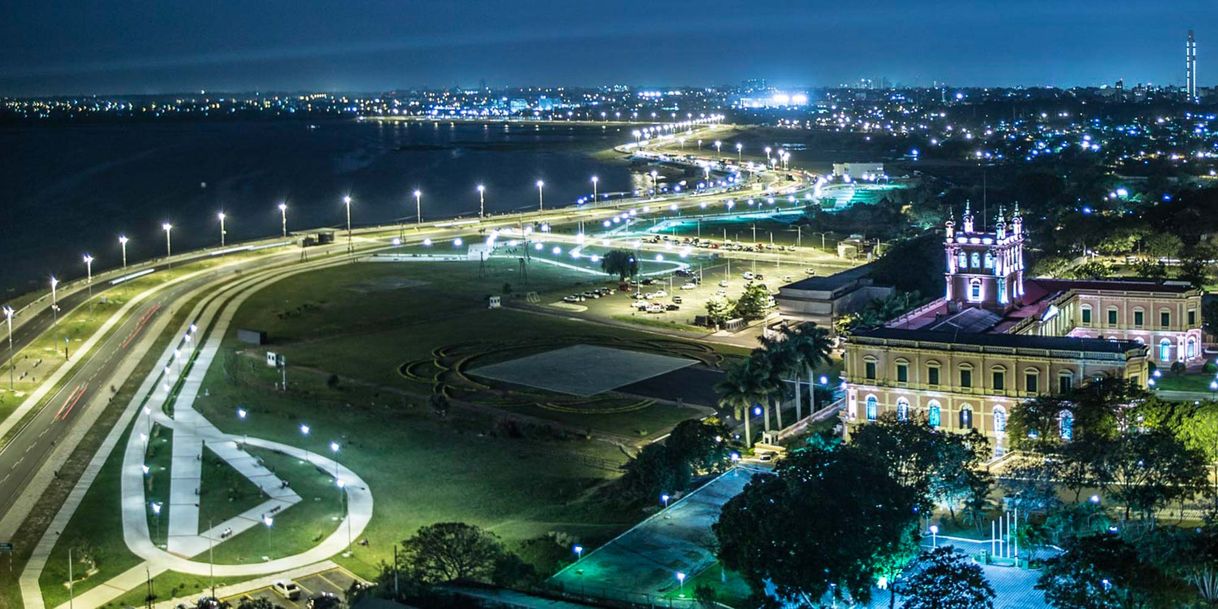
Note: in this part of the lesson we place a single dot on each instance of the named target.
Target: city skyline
(382, 47)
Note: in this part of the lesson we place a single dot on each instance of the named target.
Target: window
(966, 417)
(966, 377)
(976, 260)
(1065, 423)
(1138, 318)
(902, 409)
(1165, 350)
(934, 414)
(1192, 318)
(1065, 382)
(1031, 381)
(869, 370)
(1164, 319)
(989, 260)
(963, 261)
(1086, 313)
(974, 290)
(932, 375)
(1190, 348)
(902, 372)
(1000, 419)
(999, 377)
(1112, 316)
(873, 407)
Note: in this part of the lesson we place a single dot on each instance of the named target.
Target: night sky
(154, 46)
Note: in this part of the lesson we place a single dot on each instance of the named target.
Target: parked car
(689, 285)
(676, 299)
(747, 275)
(660, 294)
(655, 307)
(287, 589)
(672, 307)
(723, 284)
(573, 298)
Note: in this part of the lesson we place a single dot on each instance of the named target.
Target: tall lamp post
(122, 243)
(8, 317)
(481, 201)
(283, 219)
(221, 216)
(89, 272)
(739, 148)
(541, 201)
(54, 298)
(347, 203)
(718, 147)
(418, 206)
(167, 227)
(594, 181)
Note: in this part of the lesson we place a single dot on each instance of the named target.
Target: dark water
(68, 190)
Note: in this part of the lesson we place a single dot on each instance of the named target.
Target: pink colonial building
(997, 338)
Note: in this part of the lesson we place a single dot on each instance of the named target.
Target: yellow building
(995, 339)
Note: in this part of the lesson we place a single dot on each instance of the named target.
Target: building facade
(996, 339)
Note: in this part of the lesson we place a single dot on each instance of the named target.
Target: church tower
(985, 269)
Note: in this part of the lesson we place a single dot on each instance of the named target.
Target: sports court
(582, 370)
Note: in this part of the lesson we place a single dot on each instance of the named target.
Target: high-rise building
(1190, 64)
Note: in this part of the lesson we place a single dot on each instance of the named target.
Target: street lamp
(481, 201)
(579, 552)
(89, 273)
(283, 218)
(594, 181)
(347, 203)
(718, 146)
(664, 498)
(241, 414)
(304, 431)
(334, 450)
(934, 533)
(739, 148)
(681, 583)
(167, 227)
(221, 216)
(541, 202)
(54, 297)
(122, 243)
(418, 206)
(8, 316)
(655, 184)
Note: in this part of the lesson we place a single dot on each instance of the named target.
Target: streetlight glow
(283, 218)
(122, 243)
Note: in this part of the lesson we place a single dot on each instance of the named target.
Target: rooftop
(1012, 341)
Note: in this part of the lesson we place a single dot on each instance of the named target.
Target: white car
(723, 284)
(655, 307)
(660, 294)
(748, 276)
(689, 286)
(287, 589)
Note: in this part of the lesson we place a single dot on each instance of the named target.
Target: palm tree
(778, 361)
(743, 385)
(812, 345)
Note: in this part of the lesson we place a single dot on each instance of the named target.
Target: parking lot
(334, 581)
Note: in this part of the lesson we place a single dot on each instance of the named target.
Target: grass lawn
(224, 493)
(730, 589)
(1191, 381)
(295, 529)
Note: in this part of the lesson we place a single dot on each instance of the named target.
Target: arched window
(974, 290)
(1190, 348)
(1065, 381)
(933, 417)
(976, 260)
(1000, 420)
(962, 261)
(1065, 422)
(873, 407)
(966, 417)
(1165, 350)
(989, 260)
(902, 409)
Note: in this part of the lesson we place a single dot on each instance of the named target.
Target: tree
(1104, 572)
(1151, 469)
(1195, 265)
(754, 302)
(255, 603)
(810, 346)
(719, 309)
(654, 471)
(780, 361)
(1162, 245)
(701, 444)
(451, 551)
(825, 517)
(742, 387)
(620, 263)
(944, 578)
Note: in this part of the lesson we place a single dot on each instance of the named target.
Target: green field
(224, 493)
